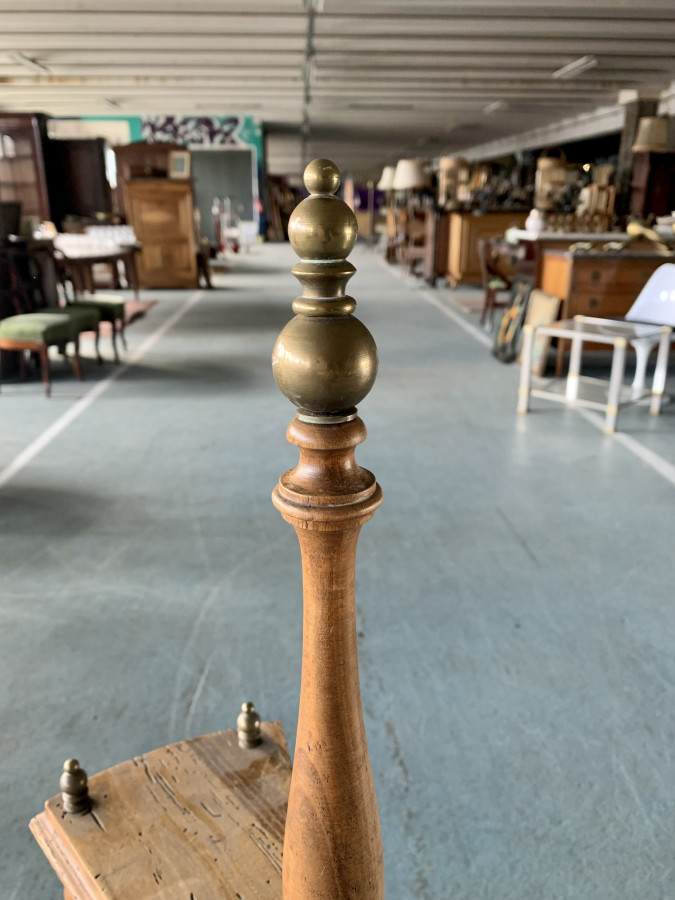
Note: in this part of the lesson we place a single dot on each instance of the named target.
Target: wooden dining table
(78, 266)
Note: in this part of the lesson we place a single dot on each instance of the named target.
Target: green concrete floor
(514, 591)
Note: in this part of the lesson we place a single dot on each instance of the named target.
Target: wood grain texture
(161, 214)
(466, 230)
(198, 820)
(595, 285)
(333, 844)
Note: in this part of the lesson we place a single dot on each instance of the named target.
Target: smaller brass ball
(248, 726)
(74, 790)
(322, 176)
(322, 227)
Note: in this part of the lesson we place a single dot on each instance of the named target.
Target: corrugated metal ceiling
(365, 82)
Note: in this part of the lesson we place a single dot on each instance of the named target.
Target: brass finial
(74, 790)
(324, 360)
(248, 726)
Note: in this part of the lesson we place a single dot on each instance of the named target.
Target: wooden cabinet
(653, 185)
(466, 229)
(23, 175)
(161, 213)
(141, 159)
(531, 248)
(50, 179)
(596, 284)
(78, 185)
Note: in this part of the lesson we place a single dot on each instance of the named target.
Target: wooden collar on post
(325, 362)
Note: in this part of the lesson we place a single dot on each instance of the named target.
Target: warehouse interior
(511, 172)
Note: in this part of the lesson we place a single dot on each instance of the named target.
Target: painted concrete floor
(514, 591)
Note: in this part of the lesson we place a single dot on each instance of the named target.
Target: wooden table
(78, 266)
(591, 283)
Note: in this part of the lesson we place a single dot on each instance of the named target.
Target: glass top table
(600, 331)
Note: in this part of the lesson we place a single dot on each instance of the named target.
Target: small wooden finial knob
(248, 726)
(74, 790)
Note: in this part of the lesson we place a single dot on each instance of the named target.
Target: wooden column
(325, 362)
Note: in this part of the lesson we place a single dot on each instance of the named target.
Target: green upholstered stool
(85, 319)
(36, 332)
(111, 309)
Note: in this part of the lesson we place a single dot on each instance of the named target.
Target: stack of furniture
(206, 817)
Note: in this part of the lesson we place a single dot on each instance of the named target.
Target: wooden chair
(36, 327)
(414, 246)
(392, 235)
(37, 332)
(111, 309)
(494, 282)
(206, 818)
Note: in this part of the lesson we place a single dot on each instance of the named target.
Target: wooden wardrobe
(161, 214)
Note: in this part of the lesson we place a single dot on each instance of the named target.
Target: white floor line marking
(476, 333)
(663, 467)
(56, 428)
(481, 336)
(660, 465)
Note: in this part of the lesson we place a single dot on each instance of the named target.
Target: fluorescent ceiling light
(571, 70)
(384, 106)
(495, 106)
(28, 62)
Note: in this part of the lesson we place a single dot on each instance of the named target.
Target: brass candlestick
(325, 362)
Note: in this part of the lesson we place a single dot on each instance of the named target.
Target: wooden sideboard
(596, 283)
(531, 247)
(466, 229)
(161, 213)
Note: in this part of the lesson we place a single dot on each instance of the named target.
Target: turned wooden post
(325, 362)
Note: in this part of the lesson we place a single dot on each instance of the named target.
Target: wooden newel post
(325, 362)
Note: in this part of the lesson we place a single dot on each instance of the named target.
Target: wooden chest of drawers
(596, 284)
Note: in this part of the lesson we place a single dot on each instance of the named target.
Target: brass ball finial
(322, 226)
(74, 788)
(325, 360)
(322, 176)
(248, 726)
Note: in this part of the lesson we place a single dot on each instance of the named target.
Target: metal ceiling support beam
(606, 120)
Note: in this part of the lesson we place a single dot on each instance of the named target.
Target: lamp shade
(409, 175)
(652, 135)
(386, 181)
